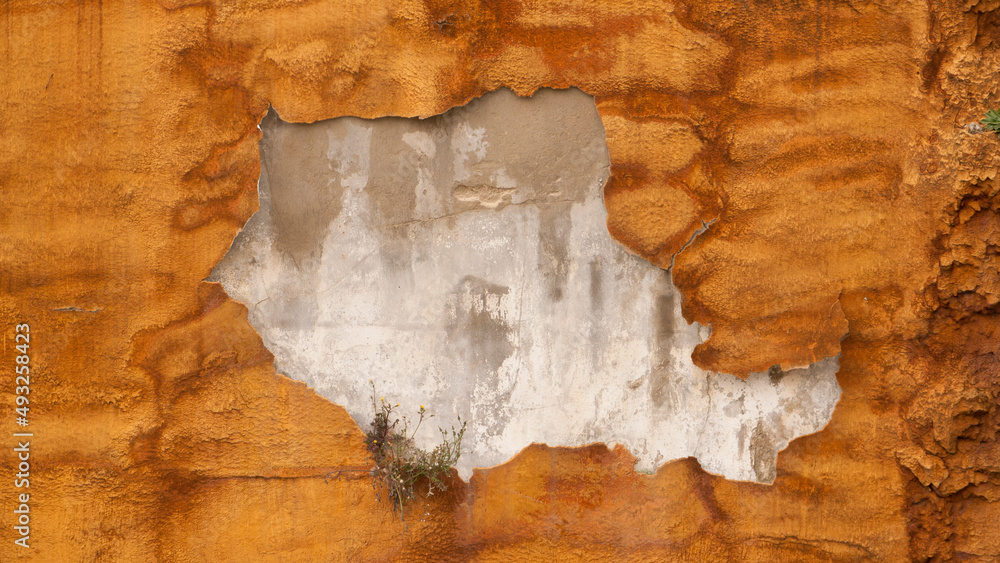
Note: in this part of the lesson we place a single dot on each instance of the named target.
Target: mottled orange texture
(822, 144)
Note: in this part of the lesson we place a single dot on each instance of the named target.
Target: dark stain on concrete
(596, 286)
(476, 325)
(776, 374)
(762, 453)
(394, 168)
(553, 252)
(296, 175)
(659, 381)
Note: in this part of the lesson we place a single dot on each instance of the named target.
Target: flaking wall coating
(462, 262)
(130, 161)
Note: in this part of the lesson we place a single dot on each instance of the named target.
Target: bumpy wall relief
(462, 262)
(830, 147)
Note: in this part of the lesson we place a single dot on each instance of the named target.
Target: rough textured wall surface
(461, 262)
(823, 144)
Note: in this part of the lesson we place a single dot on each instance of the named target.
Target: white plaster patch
(462, 262)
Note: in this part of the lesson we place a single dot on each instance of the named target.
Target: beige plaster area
(462, 262)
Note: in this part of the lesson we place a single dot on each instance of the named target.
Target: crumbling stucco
(462, 262)
(833, 151)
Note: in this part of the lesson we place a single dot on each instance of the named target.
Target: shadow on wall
(462, 262)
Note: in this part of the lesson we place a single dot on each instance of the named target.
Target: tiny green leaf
(992, 121)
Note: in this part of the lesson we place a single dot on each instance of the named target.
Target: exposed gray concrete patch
(462, 262)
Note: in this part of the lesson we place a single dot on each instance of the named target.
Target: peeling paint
(462, 262)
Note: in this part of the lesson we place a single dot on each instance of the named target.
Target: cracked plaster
(462, 262)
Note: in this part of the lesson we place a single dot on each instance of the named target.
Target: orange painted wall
(844, 193)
